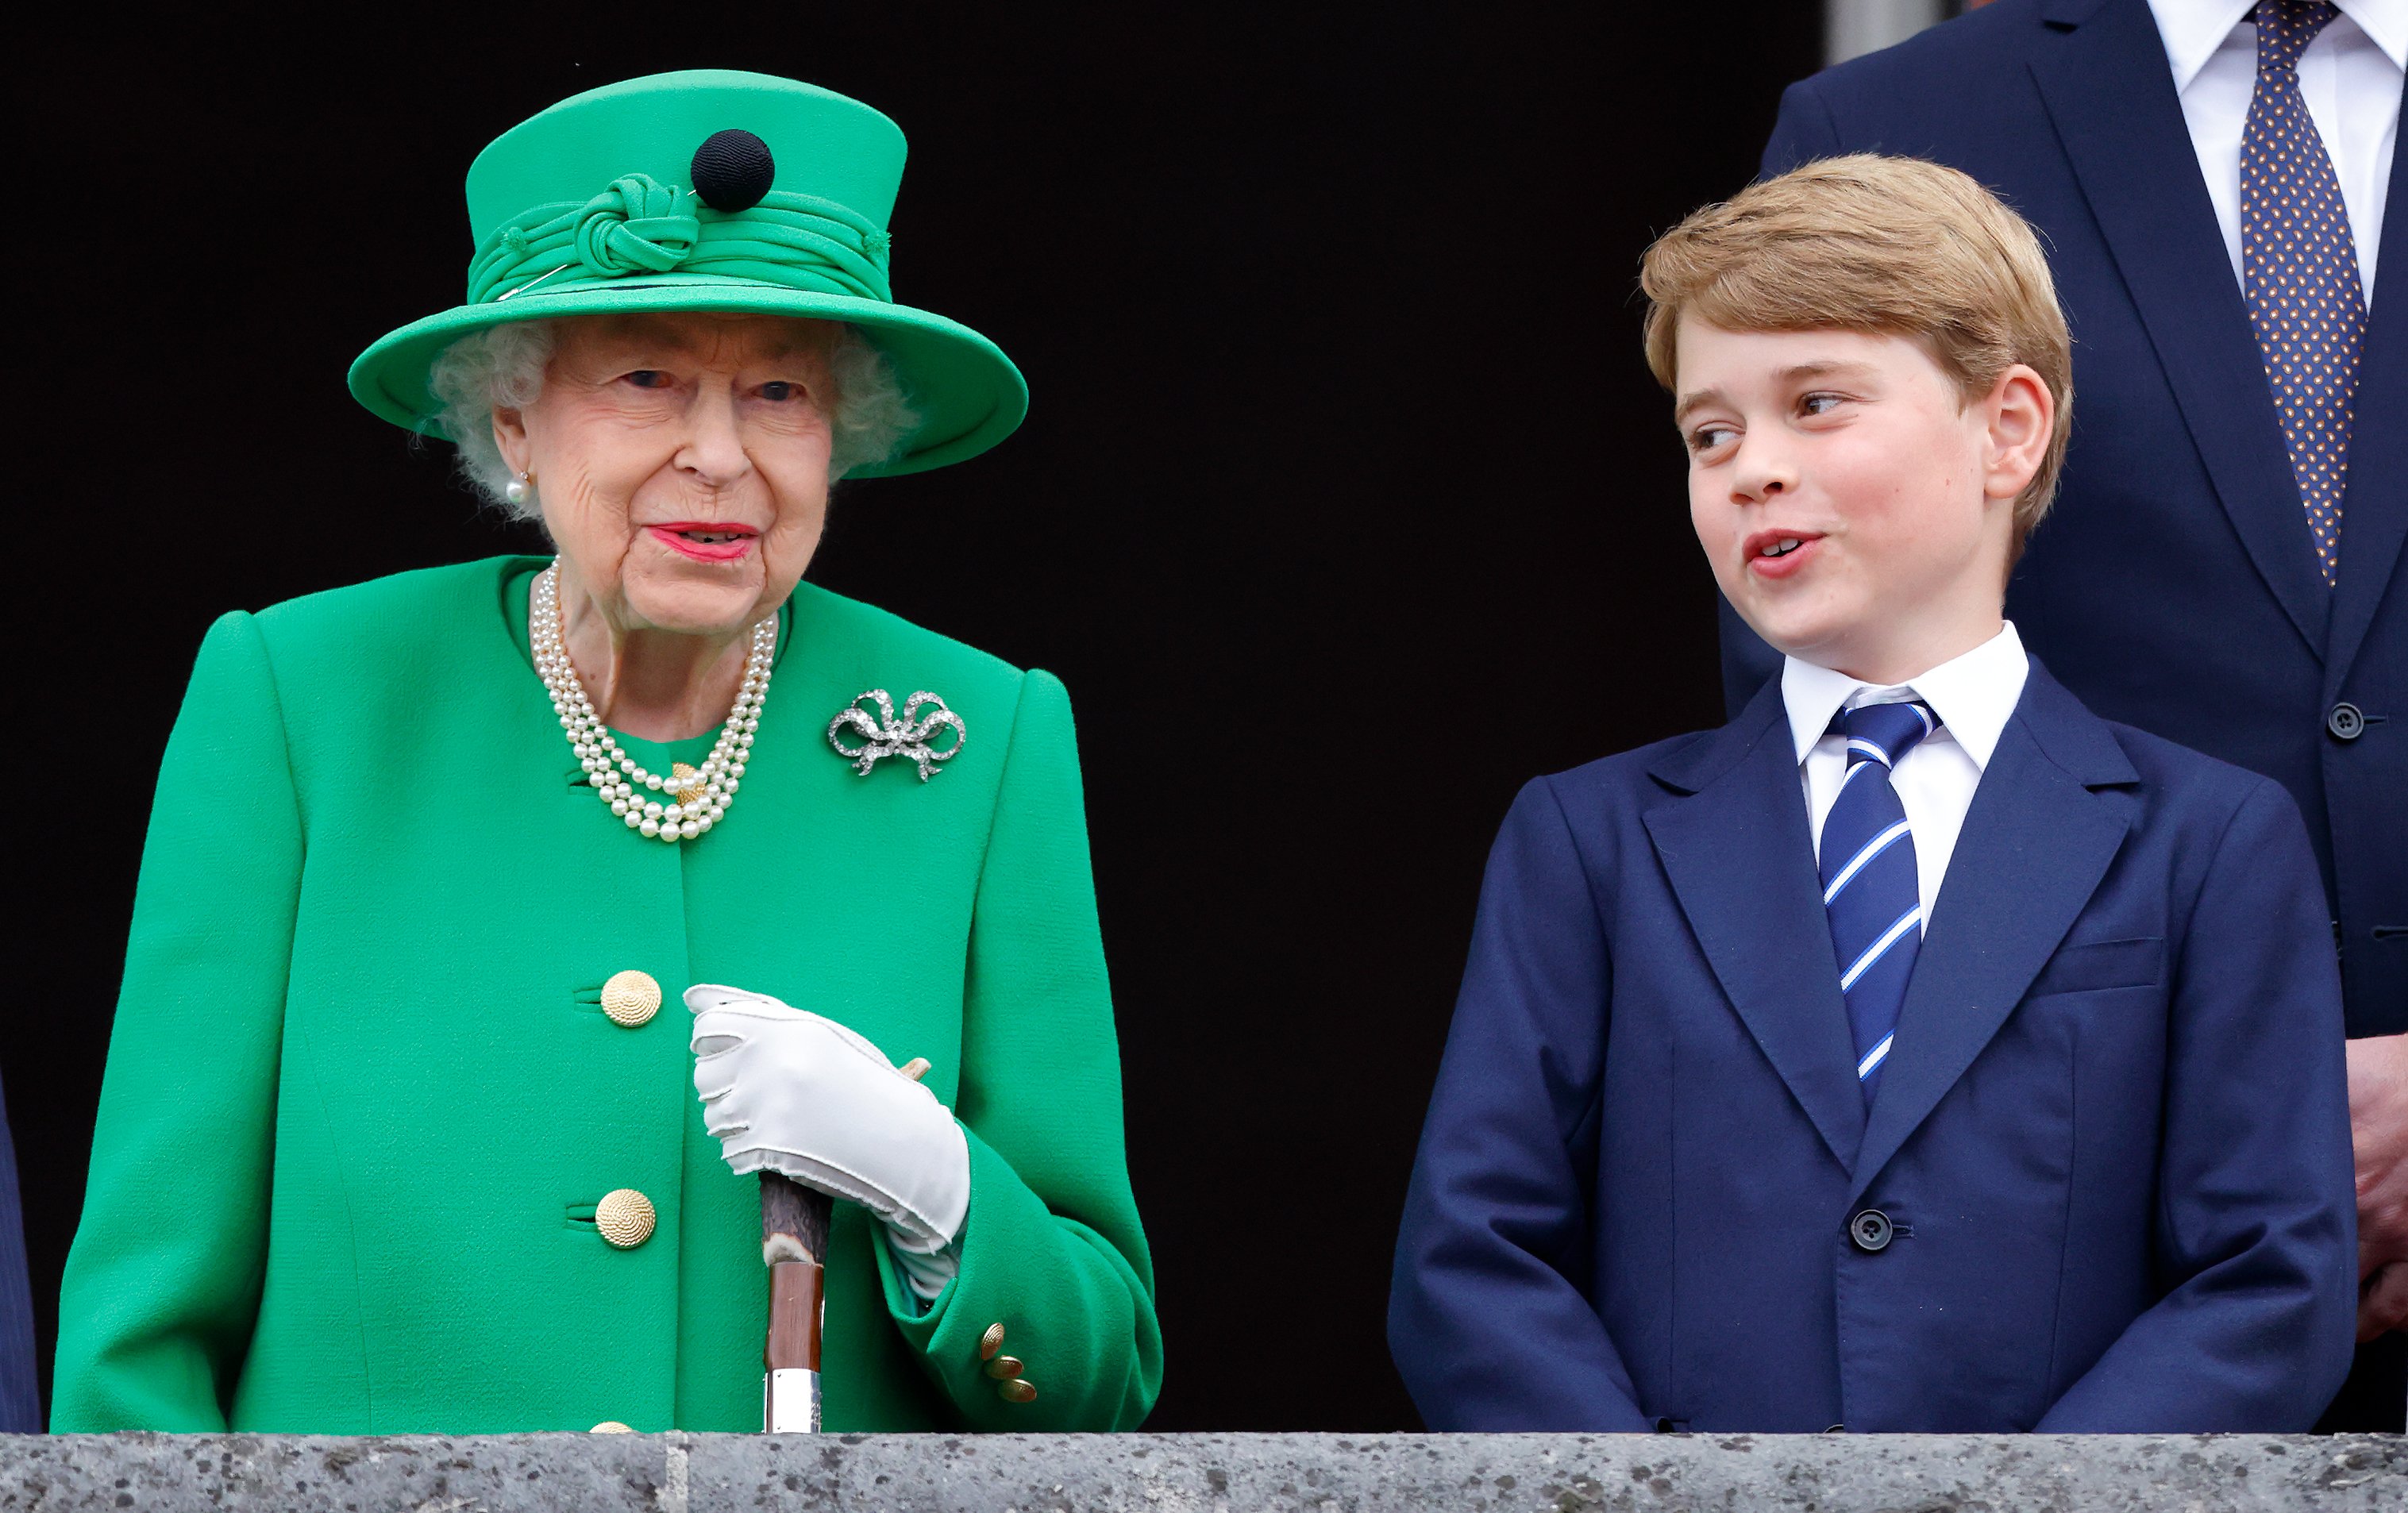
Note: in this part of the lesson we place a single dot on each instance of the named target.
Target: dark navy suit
(2111, 1141)
(21, 1411)
(2175, 585)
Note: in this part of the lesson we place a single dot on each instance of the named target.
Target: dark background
(1344, 506)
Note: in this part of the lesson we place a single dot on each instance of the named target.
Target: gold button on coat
(990, 1342)
(609, 1426)
(631, 998)
(1005, 1367)
(1016, 1391)
(625, 1218)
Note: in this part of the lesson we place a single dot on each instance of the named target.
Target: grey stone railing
(1179, 1472)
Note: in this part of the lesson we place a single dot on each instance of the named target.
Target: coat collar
(1731, 833)
(1733, 836)
(2110, 92)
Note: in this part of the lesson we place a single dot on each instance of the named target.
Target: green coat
(362, 1099)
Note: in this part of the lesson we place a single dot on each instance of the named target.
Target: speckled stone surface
(1179, 1472)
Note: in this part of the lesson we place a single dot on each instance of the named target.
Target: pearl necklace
(699, 796)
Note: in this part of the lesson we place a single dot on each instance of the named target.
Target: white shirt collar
(2192, 30)
(2386, 24)
(1973, 694)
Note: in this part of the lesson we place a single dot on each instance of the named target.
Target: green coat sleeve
(1052, 1248)
(163, 1279)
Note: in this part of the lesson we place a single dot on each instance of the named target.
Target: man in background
(21, 1408)
(2224, 566)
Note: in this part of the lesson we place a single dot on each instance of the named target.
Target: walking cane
(794, 1245)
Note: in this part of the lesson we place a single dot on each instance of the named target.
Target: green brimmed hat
(707, 190)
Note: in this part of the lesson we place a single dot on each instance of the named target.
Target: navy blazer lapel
(1736, 846)
(2035, 845)
(2374, 507)
(2111, 94)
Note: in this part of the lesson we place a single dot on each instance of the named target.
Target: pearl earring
(518, 490)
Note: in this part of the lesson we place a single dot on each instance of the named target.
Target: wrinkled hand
(789, 1092)
(2378, 1133)
(2383, 1300)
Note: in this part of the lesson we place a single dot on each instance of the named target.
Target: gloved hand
(789, 1092)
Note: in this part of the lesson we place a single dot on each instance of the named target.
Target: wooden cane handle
(794, 1220)
(795, 1288)
(793, 1241)
(793, 1217)
(794, 1244)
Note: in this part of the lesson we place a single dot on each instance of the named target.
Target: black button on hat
(731, 170)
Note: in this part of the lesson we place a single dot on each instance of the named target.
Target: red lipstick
(682, 536)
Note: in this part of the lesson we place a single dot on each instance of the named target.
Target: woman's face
(681, 463)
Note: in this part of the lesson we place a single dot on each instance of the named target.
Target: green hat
(708, 189)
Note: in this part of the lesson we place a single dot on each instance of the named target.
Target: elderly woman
(394, 1136)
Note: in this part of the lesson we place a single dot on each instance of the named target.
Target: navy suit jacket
(21, 1411)
(2174, 587)
(2113, 1137)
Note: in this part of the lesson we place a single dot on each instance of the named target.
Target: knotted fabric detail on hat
(639, 227)
(637, 224)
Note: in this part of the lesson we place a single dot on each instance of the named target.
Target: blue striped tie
(1870, 890)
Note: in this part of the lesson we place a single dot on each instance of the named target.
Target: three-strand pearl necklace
(698, 797)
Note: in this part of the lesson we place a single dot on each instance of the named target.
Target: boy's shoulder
(2161, 777)
(2175, 781)
(1641, 769)
(1633, 780)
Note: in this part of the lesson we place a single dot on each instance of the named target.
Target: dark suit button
(1871, 1231)
(2347, 722)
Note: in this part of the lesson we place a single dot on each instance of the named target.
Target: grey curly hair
(501, 367)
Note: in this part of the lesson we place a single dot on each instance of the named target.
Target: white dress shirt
(2351, 76)
(1974, 695)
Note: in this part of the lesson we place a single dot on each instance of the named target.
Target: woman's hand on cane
(790, 1092)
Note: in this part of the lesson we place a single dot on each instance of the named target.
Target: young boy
(1918, 1052)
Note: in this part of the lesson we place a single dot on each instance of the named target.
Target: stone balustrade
(677, 1473)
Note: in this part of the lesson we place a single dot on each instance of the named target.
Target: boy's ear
(2021, 417)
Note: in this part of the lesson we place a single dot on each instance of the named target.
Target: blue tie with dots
(2298, 270)
(1870, 891)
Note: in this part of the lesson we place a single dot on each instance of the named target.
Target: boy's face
(1857, 514)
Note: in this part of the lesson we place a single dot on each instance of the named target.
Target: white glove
(790, 1092)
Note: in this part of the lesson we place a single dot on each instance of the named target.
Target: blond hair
(1886, 246)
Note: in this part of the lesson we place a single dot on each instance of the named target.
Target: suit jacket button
(2347, 722)
(1869, 1231)
(1018, 1390)
(625, 1218)
(631, 998)
(990, 1342)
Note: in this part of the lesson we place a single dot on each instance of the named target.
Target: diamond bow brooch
(883, 736)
